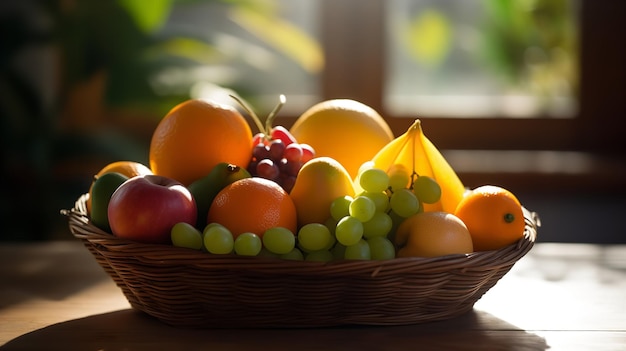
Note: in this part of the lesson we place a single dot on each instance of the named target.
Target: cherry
(281, 133)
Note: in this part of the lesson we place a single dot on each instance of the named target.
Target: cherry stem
(270, 118)
(249, 110)
(267, 129)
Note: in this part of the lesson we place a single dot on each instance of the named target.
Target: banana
(416, 152)
(206, 188)
(390, 152)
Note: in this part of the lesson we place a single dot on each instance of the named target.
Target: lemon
(343, 129)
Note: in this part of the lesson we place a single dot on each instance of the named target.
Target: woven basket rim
(163, 254)
(218, 294)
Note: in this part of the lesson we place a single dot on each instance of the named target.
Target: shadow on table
(49, 271)
(133, 330)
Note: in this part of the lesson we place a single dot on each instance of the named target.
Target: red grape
(278, 156)
(260, 152)
(280, 132)
(277, 147)
(266, 168)
(308, 152)
(287, 182)
(259, 138)
(293, 152)
(290, 168)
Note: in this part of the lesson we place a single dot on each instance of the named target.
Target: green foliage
(520, 34)
(148, 18)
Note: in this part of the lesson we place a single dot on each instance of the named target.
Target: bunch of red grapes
(278, 157)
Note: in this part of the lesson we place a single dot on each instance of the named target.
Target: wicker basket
(193, 289)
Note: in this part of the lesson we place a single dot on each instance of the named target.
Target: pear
(319, 182)
(206, 188)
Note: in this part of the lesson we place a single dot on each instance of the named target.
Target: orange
(493, 216)
(346, 130)
(127, 168)
(195, 136)
(432, 234)
(253, 205)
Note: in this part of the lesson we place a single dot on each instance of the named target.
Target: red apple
(145, 208)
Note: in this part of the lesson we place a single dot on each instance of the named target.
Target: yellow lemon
(345, 130)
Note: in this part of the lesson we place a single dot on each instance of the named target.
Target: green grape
(374, 180)
(381, 248)
(362, 208)
(427, 189)
(279, 240)
(314, 236)
(339, 208)
(349, 231)
(218, 240)
(248, 244)
(358, 251)
(399, 177)
(185, 235)
(379, 225)
(209, 226)
(319, 256)
(294, 255)
(381, 199)
(404, 203)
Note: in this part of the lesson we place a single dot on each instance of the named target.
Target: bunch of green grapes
(217, 239)
(363, 225)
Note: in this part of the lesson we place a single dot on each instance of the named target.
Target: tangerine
(346, 130)
(195, 136)
(432, 234)
(253, 205)
(493, 215)
(127, 168)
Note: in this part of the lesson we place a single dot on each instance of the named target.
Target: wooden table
(559, 297)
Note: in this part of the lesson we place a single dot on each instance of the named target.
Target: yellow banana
(390, 152)
(416, 152)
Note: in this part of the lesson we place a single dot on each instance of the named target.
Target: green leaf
(148, 15)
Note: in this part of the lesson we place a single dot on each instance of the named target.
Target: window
(557, 87)
(460, 58)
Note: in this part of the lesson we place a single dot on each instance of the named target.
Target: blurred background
(526, 94)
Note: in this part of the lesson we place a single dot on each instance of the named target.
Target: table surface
(560, 297)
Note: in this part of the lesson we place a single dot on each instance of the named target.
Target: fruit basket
(193, 289)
